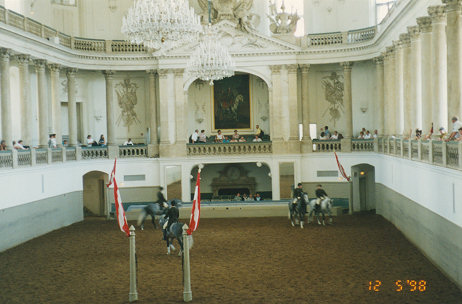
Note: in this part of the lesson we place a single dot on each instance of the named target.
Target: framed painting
(232, 103)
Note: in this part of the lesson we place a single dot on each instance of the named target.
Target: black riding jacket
(320, 193)
(298, 192)
(172, 213)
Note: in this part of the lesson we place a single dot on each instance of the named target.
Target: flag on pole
(121, 219)
(340, 168)
(196, 208)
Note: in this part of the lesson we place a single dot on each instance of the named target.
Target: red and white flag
(196, 208)
(340, 168)
(121, 219)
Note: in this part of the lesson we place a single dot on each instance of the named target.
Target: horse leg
(167, 239)
(292, 217)
(180, 241)
(323, 218)
(309, 216)
(141, 219)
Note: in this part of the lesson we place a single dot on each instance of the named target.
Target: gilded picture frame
(232, 104)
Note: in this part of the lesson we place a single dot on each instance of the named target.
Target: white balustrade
(231, 148)
(94, 152)
(133, 151)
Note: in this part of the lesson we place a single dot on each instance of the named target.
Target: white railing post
(133, 295)
(409, 151)
(49, 156)
(14, 155)
(430, 151)
(64, 155)
(33, 156)
(376, 145)
(444, 156)
(460, 154)
(187, 293)
(78, 153)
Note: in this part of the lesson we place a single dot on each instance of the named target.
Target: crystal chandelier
(211, 60)
(160, 23)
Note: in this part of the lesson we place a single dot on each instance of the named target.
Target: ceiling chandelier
(211, 60)
(161, 23)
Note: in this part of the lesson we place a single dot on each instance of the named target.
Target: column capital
(292, 68)
(305, 68)
(452, 5)
(414, 32)
(70, 72)
(178, 72)
(5, 54)
(163, 73)
(54, 67)
(347, 65)
(23, 59)
(151, 72)
(40, 64)
(108, 73)
(425, 24)
(405, 40)
(437, 13)
(378, 60)
(275, 69)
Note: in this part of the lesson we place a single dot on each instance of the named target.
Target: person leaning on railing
(3, 145)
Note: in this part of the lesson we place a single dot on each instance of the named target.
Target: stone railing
(362, 145)
(117, 46)
(327, 145)
(94, 152)
(231, 148)
(440, 153)
(133, 151)
(339, 38)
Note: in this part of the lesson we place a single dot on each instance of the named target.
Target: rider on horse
(160, 198)
(172, 214)
(298, 192)
(321, 195)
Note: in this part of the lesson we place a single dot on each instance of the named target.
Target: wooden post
(187, 293)
(133, 295)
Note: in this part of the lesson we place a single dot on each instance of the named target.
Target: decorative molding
(53, 67)
(23, 59)
(108, 74)
(127, 100)
(5, 54)
(379, 60)
(275, 69)
(163, 73)
(347, 65)
(414, 32)
(305, 68)
(292, 68)
(405, 40)
(452, 5)
(425, 24)
(40, 64)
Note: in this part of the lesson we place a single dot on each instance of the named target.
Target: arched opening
(95, 194)
(238, 103)
(363, 178)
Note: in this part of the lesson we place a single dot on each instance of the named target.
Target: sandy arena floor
(262, 260)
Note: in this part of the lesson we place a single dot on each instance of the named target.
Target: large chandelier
(211, 60)
(157, 23)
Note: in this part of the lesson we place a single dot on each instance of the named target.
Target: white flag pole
(187, 293)
(133, 295)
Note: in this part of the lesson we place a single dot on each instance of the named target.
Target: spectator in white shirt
(256, 139)
(128, 142)
(90, 141)
(367, 135)
(52, 141)
(219, 137)
(195, 136)
(456, 125)
(202, 137)
(335, 135)
(19, 146)
(376, 134)
(361, 135)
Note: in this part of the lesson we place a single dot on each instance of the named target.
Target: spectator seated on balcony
(258, 197)
(418, 134)
(257, 139)
(194, 137)
(327, 132)
(19, 145)
(335, 135)
(128, 142)
(456, 125)
(65, 143)
(225, 140)
(102, 141)
(367, 135)
(235, 136)
(443, 134)
(91, 142)
(323, 136)
(237, 197)
(202, 137)
(219, 137)
(250, 198)
(376, 134)
(3, 145)
(52, 141)
(242, 139)
(361, 135)
(460, 135)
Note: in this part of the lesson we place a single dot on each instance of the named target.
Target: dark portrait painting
(231, 103)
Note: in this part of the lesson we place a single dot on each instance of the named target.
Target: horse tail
(140, 217)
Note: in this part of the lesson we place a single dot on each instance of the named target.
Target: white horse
(325, 207)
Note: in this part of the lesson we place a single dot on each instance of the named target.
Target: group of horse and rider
(321, 205)
(169, 214)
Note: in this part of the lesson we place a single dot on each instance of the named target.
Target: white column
(55, 102)
(379, 74)
(284, 104)
(275, 97)
(425, 26)
(7, 124)
(72, 106)
(110, 108)
(153, 107)
(415, 72)
(391, 102)
(399, 88)
(27, 114)
(407, 106)
(180, 111)
(439, 66)
(347, 102)
(305, 101)
(42, 102)
(454, 57)
(167, 108)
(292, 105)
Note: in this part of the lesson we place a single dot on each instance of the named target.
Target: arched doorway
(363, 178)
(94, 194)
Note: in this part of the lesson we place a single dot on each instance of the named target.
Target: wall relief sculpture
(127, 100)
(333, 94)
(282, 22)
(234, 10)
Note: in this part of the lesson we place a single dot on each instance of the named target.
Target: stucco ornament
(127, 100)
(234, 10)
(333, 93)
(282, 22)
